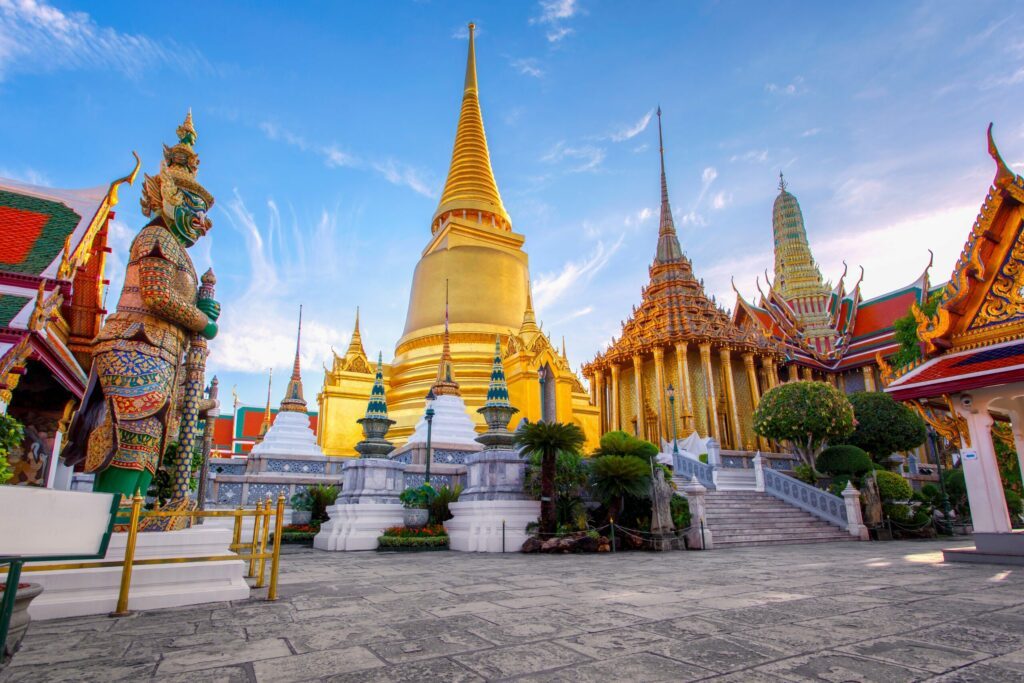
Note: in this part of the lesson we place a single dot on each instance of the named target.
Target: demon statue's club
(139, 377)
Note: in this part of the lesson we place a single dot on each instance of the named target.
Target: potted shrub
(20, 619)
(417, 505)
(302, 507)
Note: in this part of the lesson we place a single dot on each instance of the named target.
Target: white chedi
(289, 435)
(451, 424)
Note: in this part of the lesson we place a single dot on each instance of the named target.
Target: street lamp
(946, 508)
(430, 419)
(672, 411)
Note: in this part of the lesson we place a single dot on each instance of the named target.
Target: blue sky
(325, 131)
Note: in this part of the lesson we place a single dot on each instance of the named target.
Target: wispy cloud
(758, 156)
(394, 171)
(721, 200)
(588, 156)
(36, 36)
(29, 176)
(554, 14)
(810, 132)
(635, 220)
(794, 87)
(549, 288)
(631, 131)
(528, 66)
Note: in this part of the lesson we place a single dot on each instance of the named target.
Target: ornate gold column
(659, 381)
(725, 356)
(616, 420)
(772, 372)
(599, 400)
(794, 373)
(685, 394)
(755, 392)
(808, 375)
(869, 378)
(842, 383)
(638, 380)
(709, 391)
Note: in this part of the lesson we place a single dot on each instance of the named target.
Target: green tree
(844, 459)
(614, 477)
(11, 435)
(548, 439)
(906, 333)
(620, 443)
(571, 477)
(884, 425)
(807, 415)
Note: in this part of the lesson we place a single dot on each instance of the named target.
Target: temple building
(679, 336)
(53, 251)
(828, 333)
(473, 254)
(973, 362)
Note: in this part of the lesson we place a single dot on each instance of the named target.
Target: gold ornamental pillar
(709, 390)
(869, 378)
(602, 420)
(725, 356)
(686, 395)
(638, 380)
(794, 373)
(664, 428)
(755, 392)
(772, 372)
(615, 421)
(808, 375)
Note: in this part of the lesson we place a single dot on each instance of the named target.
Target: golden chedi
(474, 254)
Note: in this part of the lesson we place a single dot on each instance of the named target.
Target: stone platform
(1004, 549)
(846, 611)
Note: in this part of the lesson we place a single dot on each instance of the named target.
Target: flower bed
(298, 533)
(400, 538)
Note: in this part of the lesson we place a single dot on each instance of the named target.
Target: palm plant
(547, 439)
(617, 476)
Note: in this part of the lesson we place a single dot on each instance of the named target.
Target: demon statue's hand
(210, 331)
(210, 307)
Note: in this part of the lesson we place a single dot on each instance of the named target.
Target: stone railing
(745, 460)
(821, 504)
(688, 468)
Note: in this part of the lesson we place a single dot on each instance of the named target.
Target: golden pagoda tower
(476, 263)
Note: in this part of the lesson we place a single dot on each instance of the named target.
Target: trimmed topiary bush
(844, 459)
(808, 415)
(884, 425)
(892, 486)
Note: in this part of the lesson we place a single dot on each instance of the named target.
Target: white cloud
(589, 156)
(753, 156)
(708, 175)
(810, 132)
(554, 13)
(630, 132)
(1000, 81)
(28, 176)
(795, 87)
(549, 288)
(556, 34)
(36, 36)
(721, 200)
(399, 173)
(527, 66)
(639, 218)
(692, 218)
(333, 155)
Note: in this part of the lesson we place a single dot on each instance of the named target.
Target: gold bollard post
(255, 537)
(275, 562)
(129, 556)
(236, 533)
(263, 543)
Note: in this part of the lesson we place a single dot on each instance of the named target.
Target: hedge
(844, 459)
(412, 542)
(892, 486)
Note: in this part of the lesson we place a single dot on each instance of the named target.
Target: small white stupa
(290, 434)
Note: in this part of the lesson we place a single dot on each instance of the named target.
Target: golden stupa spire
(470, 186)
(266, 413)
(355, 344)
(529, 317)
(293, 399)
(445, 382)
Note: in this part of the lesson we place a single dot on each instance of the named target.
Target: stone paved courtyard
(834, 612)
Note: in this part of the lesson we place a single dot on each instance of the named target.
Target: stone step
(788, 541)
(805, 535)
(792, 525)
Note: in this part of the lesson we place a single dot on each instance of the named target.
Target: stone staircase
(746, 517)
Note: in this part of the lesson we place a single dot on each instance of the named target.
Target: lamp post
(672, 410)
(430, 419)
(946, 508)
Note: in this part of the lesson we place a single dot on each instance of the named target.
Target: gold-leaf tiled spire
(470, 186)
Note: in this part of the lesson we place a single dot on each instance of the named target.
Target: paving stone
(397, 652)
(971, 637)
(326, 634)
(642, 666)
(208, 657)
(834, 666)
(717, 653)
(920, 655)
(224, 674)
(520, 659)
(112, 670)
(987, 672)
(412, 672)
(315, 665)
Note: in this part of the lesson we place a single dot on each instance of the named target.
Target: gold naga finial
(187, 131)
(471, 61)
(1004, 175)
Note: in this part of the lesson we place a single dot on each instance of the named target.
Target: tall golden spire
(265, 427)
(445, 382)
(470, 186)
(529, 317)
(355, 344)
(668, 244)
